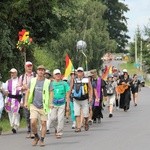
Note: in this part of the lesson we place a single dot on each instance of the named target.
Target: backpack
(110, 89)
(80, 90)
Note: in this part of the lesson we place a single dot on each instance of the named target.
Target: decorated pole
(23, 42)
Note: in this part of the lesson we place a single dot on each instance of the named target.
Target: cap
(124, 70)
(41, 67)
(80, 69)
(110, 76)
(28, 63)
(93, 71)
(48, 72)
(13, 70)
(115, 75)
(56, 71)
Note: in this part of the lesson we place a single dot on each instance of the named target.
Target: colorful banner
(69, 67)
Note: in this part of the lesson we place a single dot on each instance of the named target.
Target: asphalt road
(125, 131)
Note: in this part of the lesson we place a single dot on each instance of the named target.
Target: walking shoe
(74, 125)
(67, 120)
(86, 127)
(41, 143)
(135, 104)
(78, 130)
(94, 120)
(14, 131)
(32, 136)
(90, 122)
(47, 132)
(35, 141)
(99, 120)
(110, 115)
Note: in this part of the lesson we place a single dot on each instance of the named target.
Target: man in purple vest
(12, 106)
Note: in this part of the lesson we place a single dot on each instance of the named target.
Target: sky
(139, 15)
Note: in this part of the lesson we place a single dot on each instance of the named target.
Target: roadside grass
(4, 123)
(133, 70)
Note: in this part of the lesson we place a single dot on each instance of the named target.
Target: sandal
(86, 127)
(58, 136)
(77, 130)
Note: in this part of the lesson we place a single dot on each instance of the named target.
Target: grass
(4, 123)
(131, 68)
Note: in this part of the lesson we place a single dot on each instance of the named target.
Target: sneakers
(41, 143)
(110, 115)
(30, 135)
(14, 131)
(90, 122)
(74, 125)
(47, 132)
(67, 120)
(35, 141)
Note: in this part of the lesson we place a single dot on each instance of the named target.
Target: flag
(108, 70)
(69, 66)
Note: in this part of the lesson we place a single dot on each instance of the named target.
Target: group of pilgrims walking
(47, 99)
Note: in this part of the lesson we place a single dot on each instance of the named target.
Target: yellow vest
(45, 95)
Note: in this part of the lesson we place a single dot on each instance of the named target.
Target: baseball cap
(93, 71)
(124, 70)
(56, 71)
(48, 72)
(115, 75)
(80, 69)
(13, 70)
(28, 63)
(41, 67)
(110, 76)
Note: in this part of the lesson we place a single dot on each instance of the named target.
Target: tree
(117, 22)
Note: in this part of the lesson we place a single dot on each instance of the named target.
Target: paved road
(125, 131)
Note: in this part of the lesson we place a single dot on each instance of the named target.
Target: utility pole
(136, 49)
(141, 55)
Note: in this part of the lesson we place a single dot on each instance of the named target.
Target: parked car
(141, 79)
(118, 58)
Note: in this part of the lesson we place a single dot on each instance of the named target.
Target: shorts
(36, 113)
(81, 105)
(111, 100)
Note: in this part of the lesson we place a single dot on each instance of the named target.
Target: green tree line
(56, 26)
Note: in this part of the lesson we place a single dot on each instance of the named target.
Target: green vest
(46, 94)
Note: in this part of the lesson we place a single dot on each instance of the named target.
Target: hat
(110, 76)
(80, 69)
(41, 67)
(47, 72)
(93, 71)
(28, 63)
(88, 73)
(115, 75)
(124, 70)
(56, 71)
(13, 70)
